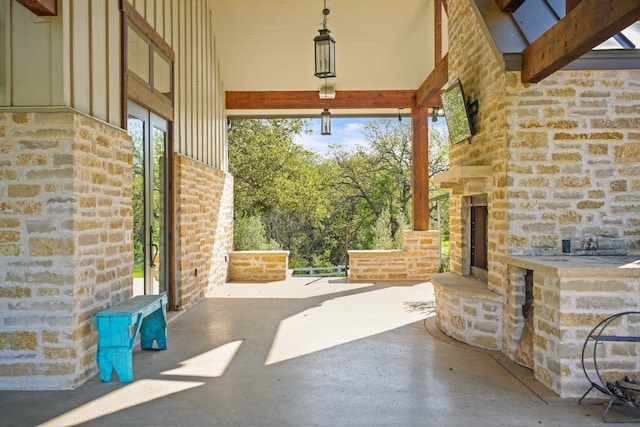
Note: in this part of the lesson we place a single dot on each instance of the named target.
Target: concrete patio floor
(308, 352)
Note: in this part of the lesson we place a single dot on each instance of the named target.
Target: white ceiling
(267, 45)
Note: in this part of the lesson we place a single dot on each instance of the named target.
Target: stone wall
(204, 225)
(65, 241)
(418, 260)
(574, 168)
(258, 266)
(472, 61)
(564, 157)
(468, 311)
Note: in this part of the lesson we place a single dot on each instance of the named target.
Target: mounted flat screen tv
(456, 112)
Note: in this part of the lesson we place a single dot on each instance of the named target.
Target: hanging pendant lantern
(325, 50)
(325, 122)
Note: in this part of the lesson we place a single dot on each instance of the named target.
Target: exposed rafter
(588, 24)
(570, 4)
(437, 25)
(358, 99)
(41, 7)
(432, 86)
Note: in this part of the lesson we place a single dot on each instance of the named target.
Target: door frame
(153, 121)
(144, 93)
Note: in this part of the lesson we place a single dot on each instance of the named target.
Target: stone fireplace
(556, 165)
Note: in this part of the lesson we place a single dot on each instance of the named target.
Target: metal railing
(332, 271)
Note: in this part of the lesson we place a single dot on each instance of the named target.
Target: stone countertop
(579, 266)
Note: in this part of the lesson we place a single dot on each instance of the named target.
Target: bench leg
(154, 327)
(119, 359)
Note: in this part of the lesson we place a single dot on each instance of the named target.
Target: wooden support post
(420, 166)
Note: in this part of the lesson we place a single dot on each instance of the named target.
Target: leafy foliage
(249, 234)
(272, 173)
(381, 232)
(315, 207)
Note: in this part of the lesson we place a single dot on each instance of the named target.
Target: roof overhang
(557, 38)
(383, 49)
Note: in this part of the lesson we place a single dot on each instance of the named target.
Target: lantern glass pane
(324, 55)
(325, 123)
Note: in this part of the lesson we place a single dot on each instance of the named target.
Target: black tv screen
(457, 113)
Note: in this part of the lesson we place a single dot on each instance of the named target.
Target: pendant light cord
(325, 13)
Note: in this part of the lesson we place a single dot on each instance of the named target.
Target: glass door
(149, 135)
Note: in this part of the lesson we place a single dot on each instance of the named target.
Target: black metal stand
(598, 337)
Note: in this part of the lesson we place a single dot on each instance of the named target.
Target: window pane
(161, 74)
(137, 55)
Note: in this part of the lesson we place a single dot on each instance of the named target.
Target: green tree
(277, 180)
(318, 208)
(374, 178)
(438, 152)
(271, 172)
(439, 198)
(249, 234)
(381, 232)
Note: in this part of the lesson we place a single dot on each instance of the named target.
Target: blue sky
(344, 131)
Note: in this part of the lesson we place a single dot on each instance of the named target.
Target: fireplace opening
(528, 294)
(478, 239)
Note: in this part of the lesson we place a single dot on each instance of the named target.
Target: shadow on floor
(308, 353)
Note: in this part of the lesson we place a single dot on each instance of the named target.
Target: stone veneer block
(258, 266)
(468, 311)
(571, 295)
(418, 260)
(65, 240)
(204, 201)
(563, 155)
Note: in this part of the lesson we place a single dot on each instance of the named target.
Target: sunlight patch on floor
(131, 395)
(211, 364)
(349, 318)
(292, 288)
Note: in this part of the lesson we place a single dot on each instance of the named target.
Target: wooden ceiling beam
(588, 24)
(509, 5)
(434, 83)
(570, 4)
(303, 100)
(41, 7)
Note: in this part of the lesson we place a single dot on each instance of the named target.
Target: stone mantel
(575, 266)
(464, 180)
(459, 174)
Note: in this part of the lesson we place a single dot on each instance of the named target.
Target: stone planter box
(418, 260)
(258, 266)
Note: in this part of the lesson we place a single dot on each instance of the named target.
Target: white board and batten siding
(199, 109)
(74, 60)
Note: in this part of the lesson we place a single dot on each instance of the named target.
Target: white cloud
(344, 131)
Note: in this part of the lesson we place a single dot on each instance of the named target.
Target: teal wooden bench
(118, 328)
